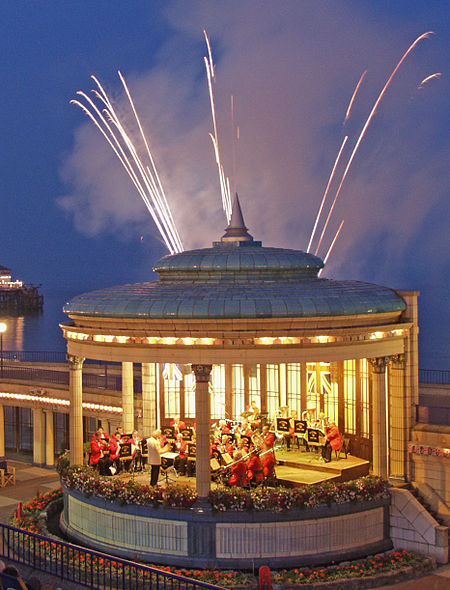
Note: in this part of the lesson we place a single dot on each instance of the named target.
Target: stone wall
(201, 538)
(431, 473)
(414, 529)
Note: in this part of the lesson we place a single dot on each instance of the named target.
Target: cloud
(292, 68)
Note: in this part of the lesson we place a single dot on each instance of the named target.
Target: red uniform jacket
(333, 435)
(254, 469)
(269, 439)
(96, 451)
(113, 448)
(238, 474)
(268, 463)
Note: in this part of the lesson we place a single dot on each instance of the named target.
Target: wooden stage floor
(294, 468)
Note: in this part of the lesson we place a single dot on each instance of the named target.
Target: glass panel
(10, 427)
(238, 390)
(312, 392)
(217, 390)
(293, 387)
(365, 399)
(254, 384)
(350, 396)
(25, 429)
(61, 430)
(273, 390)
(171, 398)
(329, 391)
(189, 395)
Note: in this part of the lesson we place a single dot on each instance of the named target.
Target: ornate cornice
(75, 362)
(379, 363)
(398, 361)
(202, 372)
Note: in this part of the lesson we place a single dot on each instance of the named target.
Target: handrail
(87, 567)
(434, 376)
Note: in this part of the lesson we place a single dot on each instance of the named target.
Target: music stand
(168, 467)
(283, 425)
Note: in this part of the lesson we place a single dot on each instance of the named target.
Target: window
(171, 398)
(329, 390)
(294, 387)
(238, 389)
(273, 389)
(365, 398)
(254, 384)
(350, 396)
(189, 395)
(313, 387)
(217, 391)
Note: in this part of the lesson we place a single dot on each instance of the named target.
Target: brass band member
(177, 424)
(181, 460)
(290, 436)
(97, 458)
(136, 450)
(238, 471)
(255, 471)
(154, 455)
(268, 438)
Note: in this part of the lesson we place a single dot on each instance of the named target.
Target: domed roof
(237, 278)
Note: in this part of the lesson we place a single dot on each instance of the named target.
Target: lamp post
(2, 329)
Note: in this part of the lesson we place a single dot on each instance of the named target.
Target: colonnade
(389, 439)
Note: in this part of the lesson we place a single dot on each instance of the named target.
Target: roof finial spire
(236, 230)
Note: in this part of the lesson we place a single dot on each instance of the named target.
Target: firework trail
(352, 100)
(367, 123)
(144, 176)
(331, 247)
(437, 75)
(223, 180)
(326, 193)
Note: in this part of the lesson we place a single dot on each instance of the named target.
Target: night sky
(70, 218)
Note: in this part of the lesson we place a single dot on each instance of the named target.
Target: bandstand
(240, 321)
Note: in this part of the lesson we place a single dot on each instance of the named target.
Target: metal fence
(434, 376)
(87, 567)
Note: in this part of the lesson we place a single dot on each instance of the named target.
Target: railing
(45, 356)
(42, 376)
(434, 376)
(87, 567)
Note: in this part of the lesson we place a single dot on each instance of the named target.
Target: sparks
(331, 247)
(352, 100)
(367, 123)
(326, 193)
(144, 177)
(437, 75)
(223, 180)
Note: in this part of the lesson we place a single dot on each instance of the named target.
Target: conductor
(154, 455)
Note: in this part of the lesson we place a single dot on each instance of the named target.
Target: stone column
(76, 409)
(49, 439)
(149, 401)
(2, 432)
(38, 436)
(127, 397)
(397, 419)
(202, 417)
(379, 439)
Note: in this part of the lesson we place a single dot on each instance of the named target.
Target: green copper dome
(237, 278)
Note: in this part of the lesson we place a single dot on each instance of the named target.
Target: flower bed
(365, 573)
(83, 479)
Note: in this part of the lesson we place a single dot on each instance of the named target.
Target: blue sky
(69, 217)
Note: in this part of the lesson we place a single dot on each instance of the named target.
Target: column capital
(202, 372)
(379, 363)
(398, 361)
(75, 362)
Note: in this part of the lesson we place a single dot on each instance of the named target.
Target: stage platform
(294, 468)
(299, 467)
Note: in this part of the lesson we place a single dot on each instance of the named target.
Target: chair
(7, 475)
(344, 448)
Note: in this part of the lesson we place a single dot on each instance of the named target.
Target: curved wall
(201, 538)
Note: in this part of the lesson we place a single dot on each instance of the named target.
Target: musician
(97, 458)
(177, 424)
(243, 446)
(223, 428)
(333, 440)
(136, 450)
(238, 471)
(290, 436)
(103, 435)
(268, 438)
(114, 451)
(254, 417)
(255, 471)
(154, 455)
(268, 463)
(181, 460)
(118, 433)
(245, 428)
(310, 414)
(227, 445)
(190, 468)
